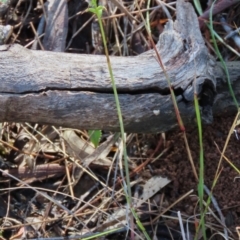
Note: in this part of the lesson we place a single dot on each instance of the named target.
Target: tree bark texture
(73, 90)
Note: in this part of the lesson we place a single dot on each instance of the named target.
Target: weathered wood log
(75, 90)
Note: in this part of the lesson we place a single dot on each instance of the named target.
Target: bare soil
(176, 165)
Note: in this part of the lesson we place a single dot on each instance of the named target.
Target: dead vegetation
(55, 183)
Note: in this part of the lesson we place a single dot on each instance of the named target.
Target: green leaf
(4, 1)
(93, 10)
(95, 137)
(93, 3)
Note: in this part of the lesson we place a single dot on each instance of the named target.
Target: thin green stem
(98, 11)
(201, 168)
(119, 112)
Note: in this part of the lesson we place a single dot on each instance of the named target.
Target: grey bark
(75, 90)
